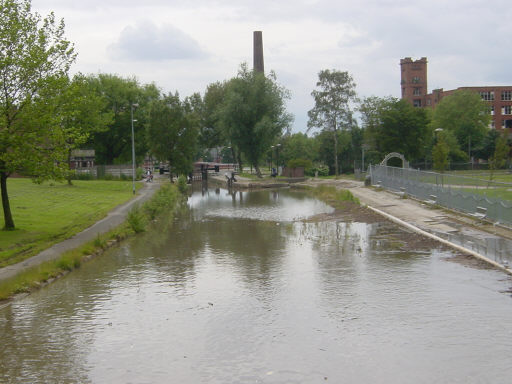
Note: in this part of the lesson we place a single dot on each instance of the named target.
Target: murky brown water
(239, 290)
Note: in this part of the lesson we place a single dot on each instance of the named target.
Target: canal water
(249, 288)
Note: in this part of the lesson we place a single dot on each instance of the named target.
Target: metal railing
(462, 193)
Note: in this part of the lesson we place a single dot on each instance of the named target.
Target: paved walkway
(112, 220)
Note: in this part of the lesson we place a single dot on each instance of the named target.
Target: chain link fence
(477, 197)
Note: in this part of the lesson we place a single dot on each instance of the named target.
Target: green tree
(371, 109)
(488, 145)
(440, 153)
(34, 58)
(466, 115)
(403, 129)
(83, 113)
(114, 144)
(173, 133)
(327, 154)
(500, 155)
(253, 113)
(298, 146)
(211, 134)
(332, 111)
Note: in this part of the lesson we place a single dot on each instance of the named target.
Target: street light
(363, 147)
(437, 130)
(271, 153)
(132, 106)
(277, 158)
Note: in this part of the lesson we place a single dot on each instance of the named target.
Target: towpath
(112, 220)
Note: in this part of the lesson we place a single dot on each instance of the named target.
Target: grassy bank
(165, 200)
(338, 198)
(51, 212)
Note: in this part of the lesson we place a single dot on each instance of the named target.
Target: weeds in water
(164, 201)
(136, 219)
(182, 184)
(329, 193)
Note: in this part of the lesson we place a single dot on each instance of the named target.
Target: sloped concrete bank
(424, 219)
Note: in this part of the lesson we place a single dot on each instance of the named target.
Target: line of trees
(45, 113)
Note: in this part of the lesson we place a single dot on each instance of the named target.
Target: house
(82, 158)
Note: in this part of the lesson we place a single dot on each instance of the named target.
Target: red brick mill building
(414, 89)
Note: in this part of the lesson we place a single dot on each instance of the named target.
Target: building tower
(258, 64)
(414, 80)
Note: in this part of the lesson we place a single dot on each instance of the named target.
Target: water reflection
(235, 291)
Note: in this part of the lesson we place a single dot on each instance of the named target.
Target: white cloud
(148, 42)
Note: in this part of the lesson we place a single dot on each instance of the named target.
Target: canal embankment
(477, 238)
(130, 217)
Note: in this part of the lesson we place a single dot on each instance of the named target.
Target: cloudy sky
(185, 45)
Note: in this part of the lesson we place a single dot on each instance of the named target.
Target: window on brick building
(415, 79)
(506, 95)
(506, 110)
(487, 95)
(417, 91)
(417, 103)
(492, 124)
(491, 110)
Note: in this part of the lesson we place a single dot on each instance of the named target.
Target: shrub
(182, 184)
(138, 173)
(323, 170)
(136, 220)
(164, 199)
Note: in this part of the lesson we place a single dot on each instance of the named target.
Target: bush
(138, 173)
(164, 199)
(83, 176)
(136, 220)
(182, 184)
(329, 193)
(323, 170)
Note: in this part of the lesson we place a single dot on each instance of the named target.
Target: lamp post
(437, 130)
(271, 153)
(132, 106)
(277, 158)
(363, 147)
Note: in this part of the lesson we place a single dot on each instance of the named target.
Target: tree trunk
(336, 153)
(258, 172)
(9, 222)
(240, 165)
(68, 176)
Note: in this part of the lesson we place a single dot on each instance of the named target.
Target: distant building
(82, 158)
(414, 89)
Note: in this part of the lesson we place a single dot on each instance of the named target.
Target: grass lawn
(496, 193)
(48, 213)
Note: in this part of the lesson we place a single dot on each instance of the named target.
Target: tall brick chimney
(258, 64)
